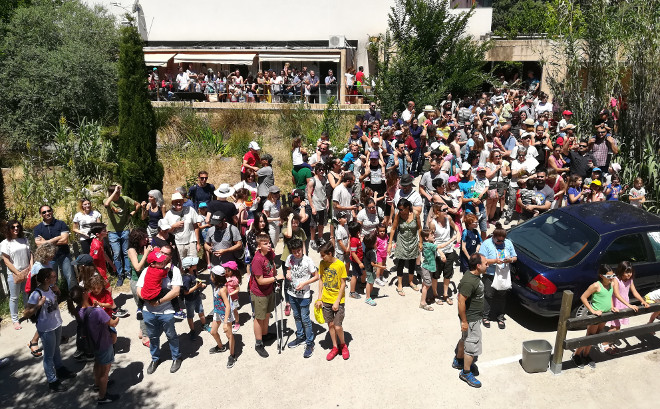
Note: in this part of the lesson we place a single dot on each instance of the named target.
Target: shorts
(426, 276)
(483, 221)
(194, 306)
(381, 258)
(336, 317)
(356, 271)
(445, 268)
(187, 250)
(235, 305)
(221, 317)
(472, 339)
(105, 357)
(319, 219)
(649, 300)
(263, 305)
(371, 276)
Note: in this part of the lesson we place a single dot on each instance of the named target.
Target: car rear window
(554, 239)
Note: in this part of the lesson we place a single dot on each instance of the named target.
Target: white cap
(218, 270)
(616, 167)
(375, 140)
(435, 145)
(465, 167)
(254, 145)
(177, 196)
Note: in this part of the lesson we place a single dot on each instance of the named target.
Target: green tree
(428, 54)
(59, 59)
(139, 168)
(512, 18)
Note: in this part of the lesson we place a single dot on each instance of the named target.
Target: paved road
(400, 357)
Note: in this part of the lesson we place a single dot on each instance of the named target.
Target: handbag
(502, 277)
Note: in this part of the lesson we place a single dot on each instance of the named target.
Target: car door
(634, 248)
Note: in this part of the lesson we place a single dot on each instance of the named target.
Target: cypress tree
(3, 210)
(139, 168)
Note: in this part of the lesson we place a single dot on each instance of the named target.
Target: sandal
(400, 291)
(414, 287)
(439, 301)
(35, 353)
(145, 342)
(17, 326)
(501, 324)
(486, 322)
(426, 307)
(448, 300)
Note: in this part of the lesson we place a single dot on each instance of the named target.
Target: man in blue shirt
(202, 192)
(56, 232)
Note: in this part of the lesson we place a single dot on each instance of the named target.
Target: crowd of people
(482, 163)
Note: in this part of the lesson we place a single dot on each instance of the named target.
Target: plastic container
(536, 355)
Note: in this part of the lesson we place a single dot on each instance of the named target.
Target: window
(654, 239)
(466, 4)
(631, 248)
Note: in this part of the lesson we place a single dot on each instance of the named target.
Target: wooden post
(564, 315)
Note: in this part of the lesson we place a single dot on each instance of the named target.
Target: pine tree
(139, 168)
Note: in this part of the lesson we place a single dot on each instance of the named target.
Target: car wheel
(580, 311)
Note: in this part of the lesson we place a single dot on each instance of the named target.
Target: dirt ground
(400, 357)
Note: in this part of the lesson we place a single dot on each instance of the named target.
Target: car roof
(610, 216)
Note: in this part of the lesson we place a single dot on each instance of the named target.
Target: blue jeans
(15, 291)
(50, 341)
(119, 244)
(300, 309)
(62, 264)
(156, 325)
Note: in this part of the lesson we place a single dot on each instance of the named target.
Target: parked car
(562, 249)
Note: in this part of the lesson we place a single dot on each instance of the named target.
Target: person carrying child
(332, 288)
(192, 295)
(600, 294)
(159, 266)
(221, 315)
(301, 272)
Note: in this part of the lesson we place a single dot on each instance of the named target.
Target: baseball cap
(254, 145)
(596, 170)
(373, 155)
(273, 189)
(342, 215)
(84, 260)
(217, 218)
(616, 167)
(189, 262)
(529, 122)
(596, 182)
(218, 270)
(452, 179)
(164, 224)
(567, 112)
(202, 204)
(230, 265)
(465, 167)
(397, 133)
(435, 145)
(406, 180)
(375, 140)
(299, 193)
(481, 169)
(156, 256)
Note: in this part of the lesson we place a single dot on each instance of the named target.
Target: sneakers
(469, 379)
(577, 360)
(216, 349)
(180, 315)
(138, 315)
(602, 348)
(457, 364)
(309, 350)
(287, 310)
(380, 282)
(344, 352)
(121, 313)
(57, 386)
(152, 367)
(207, 328)
(332, 354)
(587, 360)
(296, 343)
(355, 295)
(234, 328)
(231, 361)
(261, 351)
(370, 302)
(314, 246)
(269, 336)
(176, 364)
(108, 398)
(120, 282)
(5, 362)
(64, 373)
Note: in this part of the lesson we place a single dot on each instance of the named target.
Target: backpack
(34, 318)
(84, 341)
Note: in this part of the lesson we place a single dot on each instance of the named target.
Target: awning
(299, 57)
(157, 60)
(238, 59)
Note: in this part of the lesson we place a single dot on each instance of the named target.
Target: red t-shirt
(252, 159)
(262, 266)
(153, 283)
(359, 76)
(356, 247)
(410, 143)
(104, 297)
(98, 255)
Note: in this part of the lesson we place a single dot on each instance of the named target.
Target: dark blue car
(562, 249)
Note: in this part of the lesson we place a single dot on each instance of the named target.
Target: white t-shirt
(273, 210)
(635, 193)
(532, 152)
(186, 233)
(370, 220)
(166, 307)
(413, 196)
(516, 167)
(342, 196)
(297, 157)
(49, 315)
(340, 235)
(84, 220)
(18, 251)
(302, 269)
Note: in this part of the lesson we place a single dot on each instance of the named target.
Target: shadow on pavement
(528, 319)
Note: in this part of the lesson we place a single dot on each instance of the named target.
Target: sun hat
(428, 108)
(224, 191)
(529, 122)
(177, 196)
(189, 262)
(254, 145)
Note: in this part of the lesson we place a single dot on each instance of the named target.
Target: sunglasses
(583, 146)
(16, 227)
(371, 207)
(203, 178)
(609, 276)
(444, 209)
(47, 211)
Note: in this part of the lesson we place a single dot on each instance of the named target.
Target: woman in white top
(445, 236)
(16, 254)
(82, 221)
(370, 216)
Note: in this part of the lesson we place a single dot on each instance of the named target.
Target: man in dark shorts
(470, 312)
